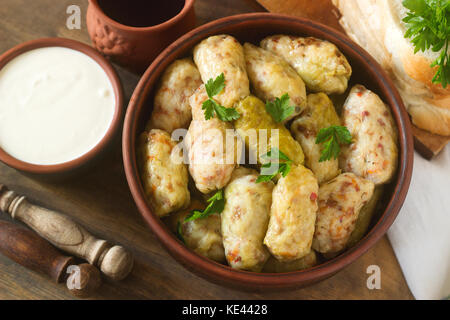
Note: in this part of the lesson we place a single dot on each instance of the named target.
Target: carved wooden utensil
(114, 261)
(31, 251)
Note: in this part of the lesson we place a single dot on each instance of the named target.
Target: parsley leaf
(331, 138)
(279, 108)
(428, 23)
(214, 87)
(216, 205)
(225, 114)
(208, 106)
(272, 168)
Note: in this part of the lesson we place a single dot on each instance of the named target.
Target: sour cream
(56, 104)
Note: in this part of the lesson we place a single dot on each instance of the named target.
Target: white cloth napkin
(420, 235)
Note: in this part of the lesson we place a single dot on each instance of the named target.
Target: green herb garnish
(278, 163)
(216, 205)
(331, 138)
(213, 88)
(279, 108)
(428, 23)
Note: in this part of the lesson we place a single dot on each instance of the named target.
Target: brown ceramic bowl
(73, 165)
(123, 33)
(253, 27)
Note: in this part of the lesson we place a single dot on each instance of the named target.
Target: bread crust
(376, 25)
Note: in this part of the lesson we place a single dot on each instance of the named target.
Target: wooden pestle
(114, 261)
(31, 251)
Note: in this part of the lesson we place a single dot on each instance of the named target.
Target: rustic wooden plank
(101, 201)
(427, 144)
(215, 9)
(321, 11)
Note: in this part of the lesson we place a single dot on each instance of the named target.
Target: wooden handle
(114, 261)
(31, 251)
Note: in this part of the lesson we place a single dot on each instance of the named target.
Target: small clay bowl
(253, 27)
(67, 168)
(135, 47)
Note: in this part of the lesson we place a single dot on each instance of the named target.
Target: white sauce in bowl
(56, 104)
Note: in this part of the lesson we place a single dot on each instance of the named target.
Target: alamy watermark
(74, 19)
(374, 280)
(74, 279)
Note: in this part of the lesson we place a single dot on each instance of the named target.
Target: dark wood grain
(28, 249)
(322, 11)
(428, 144)
(101, 201)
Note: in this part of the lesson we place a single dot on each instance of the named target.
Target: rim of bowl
(218, 272)
(188, 4)
(115, 122)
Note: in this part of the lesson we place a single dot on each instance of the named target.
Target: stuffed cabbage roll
(164, 176)
(202, 235)
(321, 65)
(274, 266)
(245, 219)
(293, 215)
(319, 114)
(223, 54)
(340, 201)
(213, 148)
(260, 131)
(374, 152)
(171, 109)
(271, 77)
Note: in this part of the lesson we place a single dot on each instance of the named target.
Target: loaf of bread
(377, 26)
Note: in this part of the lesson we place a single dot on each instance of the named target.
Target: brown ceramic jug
(134, 32)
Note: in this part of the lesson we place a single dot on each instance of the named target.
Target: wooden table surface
(101, 201)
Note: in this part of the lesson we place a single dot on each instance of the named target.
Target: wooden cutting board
(323, 11)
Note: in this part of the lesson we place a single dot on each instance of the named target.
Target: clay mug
(133, 33)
